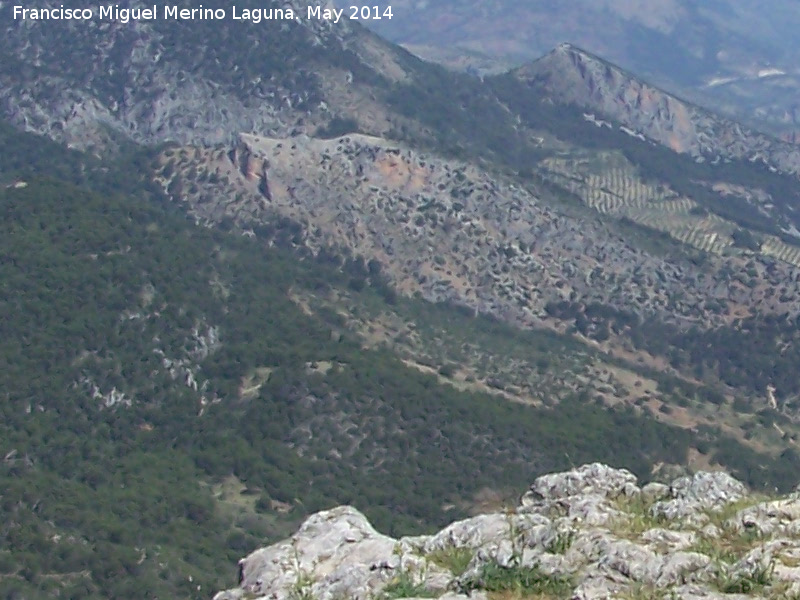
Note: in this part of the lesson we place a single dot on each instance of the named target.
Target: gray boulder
(690, 496)
(589, 480)
(335, 552)
(585, 495)
(770, 518)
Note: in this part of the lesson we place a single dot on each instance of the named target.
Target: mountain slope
(452, 232)
(151, 82)
(572, 76)
(730, 55)
(239, 328)
(589, 102)
(444, 228)
(562, 203)
(199, 397)
(612, 281)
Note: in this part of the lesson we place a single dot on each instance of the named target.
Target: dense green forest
(127, 336)
(748, 356)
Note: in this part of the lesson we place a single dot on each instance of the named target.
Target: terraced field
(773, 246)
(611, 185)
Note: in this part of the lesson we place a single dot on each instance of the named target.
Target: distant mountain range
(736, 56)
(255, 270)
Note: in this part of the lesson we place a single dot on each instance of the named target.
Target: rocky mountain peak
(730, 55)
(572, 76)
(591, 532)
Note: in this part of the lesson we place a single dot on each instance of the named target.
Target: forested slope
(175, 396)
(149, 363)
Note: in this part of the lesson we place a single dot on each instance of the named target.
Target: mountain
(591, 532)
(608, 94)
(280, 256)
(729, 54)
(520, 248)
(177, 394)
(150, 82)
(572, 76)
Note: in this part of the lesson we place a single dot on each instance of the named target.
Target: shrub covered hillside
(169, 404)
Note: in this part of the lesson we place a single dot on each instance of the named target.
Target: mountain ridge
(579, 77)
(726, 55)
(136, 78)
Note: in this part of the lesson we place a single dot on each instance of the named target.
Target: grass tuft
(747, 583)
(455, 560)
(519, 581)
(404, 586)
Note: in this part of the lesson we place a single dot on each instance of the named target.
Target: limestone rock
(669, 540)
(554, 538)
(334, 552)
(770, 518)
(595, 479)
(702, 491)
(654, 491)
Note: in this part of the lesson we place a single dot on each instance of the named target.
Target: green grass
(520, 581)
(404, 586)
(561, 542)
(732, 543)
(637, 517)
(455, 560)
(721, 517)
(747, 583)
(719, 553)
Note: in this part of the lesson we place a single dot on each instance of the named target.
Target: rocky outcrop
(690, 496)
(585, 534)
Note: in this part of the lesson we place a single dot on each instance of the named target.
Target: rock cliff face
(572, 76)
(589, 533)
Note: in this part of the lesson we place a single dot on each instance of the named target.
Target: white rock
(654, 491)
(570, 525)
(595, 479)
(770, 518)
(702, 491)
(334, 552)
(667, 540)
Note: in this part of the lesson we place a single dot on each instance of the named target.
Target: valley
(244, 278)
